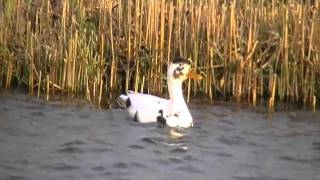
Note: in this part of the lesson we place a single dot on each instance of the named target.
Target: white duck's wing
(144, 108)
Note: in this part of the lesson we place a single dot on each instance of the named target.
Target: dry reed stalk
(86, 79)
(273, 93)
(113, 62)
(128, 29)
(39, 84)
(285, 67)
(170, 24)
(136, 44)
(9, 74)
(48, 88)
(314, 103)
(254, 89)
(100, 92)
(161, 46)
(211, 77)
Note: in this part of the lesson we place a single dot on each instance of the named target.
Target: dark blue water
(74, 141)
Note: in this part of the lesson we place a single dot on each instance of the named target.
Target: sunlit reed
(250, 51)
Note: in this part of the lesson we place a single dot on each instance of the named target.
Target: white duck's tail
(124, 101)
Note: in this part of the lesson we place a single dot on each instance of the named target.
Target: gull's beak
(193, 75)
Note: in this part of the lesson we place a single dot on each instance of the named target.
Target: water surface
(75, 141)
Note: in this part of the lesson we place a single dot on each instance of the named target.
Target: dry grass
(249, 50)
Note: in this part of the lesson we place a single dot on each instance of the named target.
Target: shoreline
(79, 100)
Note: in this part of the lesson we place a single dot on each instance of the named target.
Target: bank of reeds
(248, 50)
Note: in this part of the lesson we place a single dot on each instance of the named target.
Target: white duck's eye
(180, 64)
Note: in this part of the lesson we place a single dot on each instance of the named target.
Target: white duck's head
(180, 70)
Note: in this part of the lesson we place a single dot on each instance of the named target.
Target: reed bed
(248, 50)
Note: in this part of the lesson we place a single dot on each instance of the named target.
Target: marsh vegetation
(248, 50)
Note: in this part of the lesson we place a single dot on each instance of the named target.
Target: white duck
(146, 108)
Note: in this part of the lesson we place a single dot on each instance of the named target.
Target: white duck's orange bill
(194, 75)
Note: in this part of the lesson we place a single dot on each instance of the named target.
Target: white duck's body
(143, 108)
(146, 108)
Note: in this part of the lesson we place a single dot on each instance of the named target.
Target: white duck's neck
(176, 96)
(175, 90)
(177, 102)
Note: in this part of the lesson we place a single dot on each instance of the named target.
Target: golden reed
(248, 50)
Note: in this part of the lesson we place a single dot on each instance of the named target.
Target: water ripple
(316, 146)
(189, 169)
(190, 158)
(294, 159)
(149, 140)
(75, 142)
(224, 154)
(176, 160)
(258, 178)
(98, 168)
(179, 150)
(135, 146)
(14, 177)
(231, 141)
(121, 165)
(138, 165)
(61, 167)
(37, 113)
(70, 149)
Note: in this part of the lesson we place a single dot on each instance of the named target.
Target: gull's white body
(147, 108)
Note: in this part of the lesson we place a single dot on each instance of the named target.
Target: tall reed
(248, 50)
